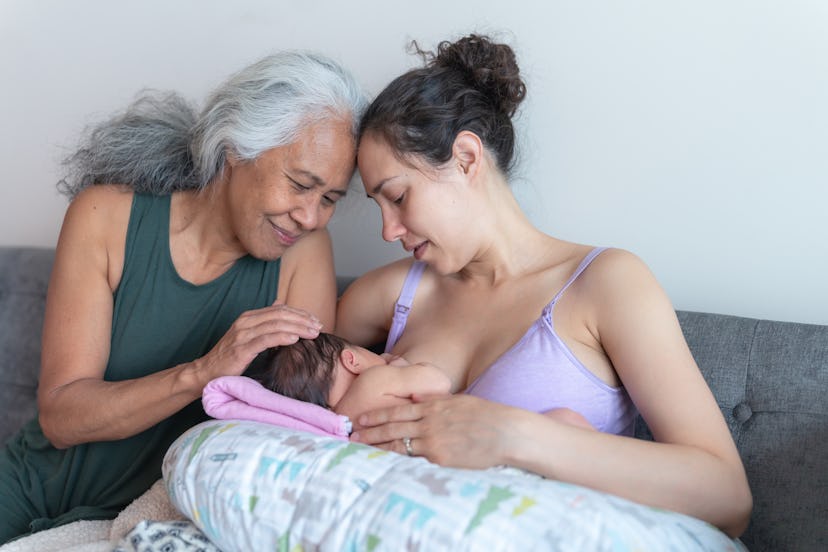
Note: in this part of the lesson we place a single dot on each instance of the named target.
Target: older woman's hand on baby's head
(253, 332)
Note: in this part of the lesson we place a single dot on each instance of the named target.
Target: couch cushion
(769, 379)
(784, 441)
(24, 276)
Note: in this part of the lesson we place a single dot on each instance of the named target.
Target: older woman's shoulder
(114, 191)
(104, 207)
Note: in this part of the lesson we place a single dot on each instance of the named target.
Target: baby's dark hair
(304, 370)
(472, 84)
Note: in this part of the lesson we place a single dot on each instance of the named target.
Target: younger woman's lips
(419, 250)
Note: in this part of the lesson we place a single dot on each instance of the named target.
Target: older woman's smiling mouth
(285, 237)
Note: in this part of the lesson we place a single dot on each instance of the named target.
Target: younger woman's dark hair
(472, 84)
(304, 370)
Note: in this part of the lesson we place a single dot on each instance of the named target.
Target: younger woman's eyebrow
(376, 189)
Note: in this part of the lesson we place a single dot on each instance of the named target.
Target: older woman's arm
(75, 403)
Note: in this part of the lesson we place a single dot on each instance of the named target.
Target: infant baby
(331, 372)
(348, 379)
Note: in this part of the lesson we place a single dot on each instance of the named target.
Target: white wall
(692, 133)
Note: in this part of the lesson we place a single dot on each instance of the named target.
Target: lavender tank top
(539, 372)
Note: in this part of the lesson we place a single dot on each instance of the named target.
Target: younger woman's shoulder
(618, 272)
(614, 258)
(386, 277)
(606, 262)
(365, 309)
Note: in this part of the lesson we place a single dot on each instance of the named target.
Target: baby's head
(318, 371)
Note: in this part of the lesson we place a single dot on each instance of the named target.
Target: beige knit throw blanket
(103, 535)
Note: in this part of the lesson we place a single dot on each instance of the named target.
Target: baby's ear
(349, 361)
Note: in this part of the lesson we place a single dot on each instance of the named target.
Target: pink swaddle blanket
(243, 398)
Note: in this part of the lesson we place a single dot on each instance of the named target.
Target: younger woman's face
(424, 207)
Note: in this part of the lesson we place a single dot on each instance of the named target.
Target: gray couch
(770, 379)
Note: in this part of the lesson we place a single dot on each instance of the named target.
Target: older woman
(192, 243)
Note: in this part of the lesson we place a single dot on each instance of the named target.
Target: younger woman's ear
(468, 151)
(349, 361)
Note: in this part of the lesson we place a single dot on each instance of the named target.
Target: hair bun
(489, 67)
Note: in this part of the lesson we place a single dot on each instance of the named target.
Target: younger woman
(520, 321)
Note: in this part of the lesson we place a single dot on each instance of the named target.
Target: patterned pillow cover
(254, 486)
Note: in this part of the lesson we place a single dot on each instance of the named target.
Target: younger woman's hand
(453, 430)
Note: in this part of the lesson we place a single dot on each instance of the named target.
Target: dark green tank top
(159, 321)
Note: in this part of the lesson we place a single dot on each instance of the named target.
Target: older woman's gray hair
(160, 145)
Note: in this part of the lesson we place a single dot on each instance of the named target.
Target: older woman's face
(290, 191)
